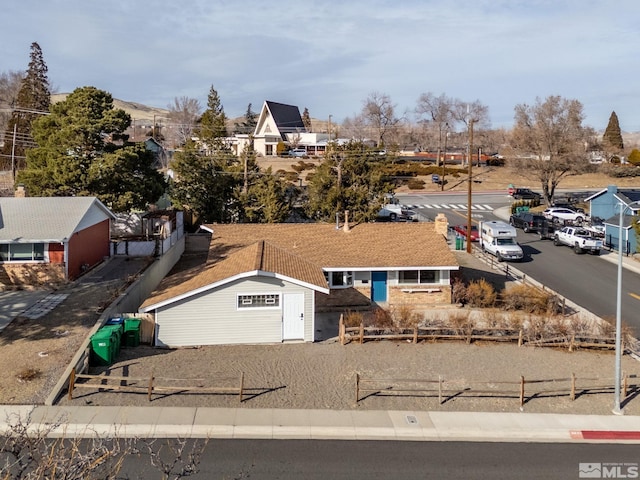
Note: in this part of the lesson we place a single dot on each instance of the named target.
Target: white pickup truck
(395, 212)
(580, 239)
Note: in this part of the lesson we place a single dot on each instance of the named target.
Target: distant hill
(136, 110)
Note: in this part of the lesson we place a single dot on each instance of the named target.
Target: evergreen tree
(248, 125)
(205, 185)
(348, 180)
(306, 119)
(75, 158)
(213, 123)
(612, 138)
(34, 97)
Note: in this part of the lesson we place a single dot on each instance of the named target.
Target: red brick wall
(88, 246)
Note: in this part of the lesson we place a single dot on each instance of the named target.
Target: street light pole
(618, 368)
(444, 157)
(469, 195)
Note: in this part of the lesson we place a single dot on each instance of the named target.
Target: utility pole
(13, 152)
(469, 182)
(444, 157)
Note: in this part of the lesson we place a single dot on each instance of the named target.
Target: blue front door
(379, 286)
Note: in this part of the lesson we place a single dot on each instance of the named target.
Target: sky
(330, 55)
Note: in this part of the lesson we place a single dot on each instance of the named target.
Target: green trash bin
(102, 348)
(132, 332)
(117, 332)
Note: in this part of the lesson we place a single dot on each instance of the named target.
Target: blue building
(606, 205)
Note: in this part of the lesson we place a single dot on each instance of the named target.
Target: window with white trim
(267, 300)
(21, 252)
(339, 279)
(418, 277)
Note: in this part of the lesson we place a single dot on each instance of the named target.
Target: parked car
(526, 194)
(298, 152)
(462, 231)
(558, 215)
(527, 221)
(570, 206)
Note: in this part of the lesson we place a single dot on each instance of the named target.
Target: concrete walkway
(187, 422)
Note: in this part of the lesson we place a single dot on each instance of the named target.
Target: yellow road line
(636, 296)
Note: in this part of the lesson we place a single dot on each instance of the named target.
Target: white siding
(212, 318)
(94, 215)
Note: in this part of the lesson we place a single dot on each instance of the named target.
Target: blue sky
(329, 55)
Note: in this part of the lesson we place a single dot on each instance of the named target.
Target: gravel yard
(322, 375)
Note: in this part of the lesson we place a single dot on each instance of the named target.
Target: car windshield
(506, 241)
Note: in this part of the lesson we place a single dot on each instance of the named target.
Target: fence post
(521, 390)
(520, 338)
(357, 387)
(150, 388)
(624, 386)
(440, 389)
(361, 333)
(341, 331)
(573, 339)
(415, 334)
(241, 385)
(573, 386)
(72, 381)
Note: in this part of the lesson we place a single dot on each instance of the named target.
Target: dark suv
(527, 221)
(526, 194)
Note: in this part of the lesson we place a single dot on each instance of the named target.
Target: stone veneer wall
(35, 275)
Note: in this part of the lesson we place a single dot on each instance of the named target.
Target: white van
(499, 239)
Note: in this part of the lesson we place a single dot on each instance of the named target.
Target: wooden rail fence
(445, 389)
(153, 384)
(361, 334)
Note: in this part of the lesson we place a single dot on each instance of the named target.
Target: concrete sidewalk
(188, 422)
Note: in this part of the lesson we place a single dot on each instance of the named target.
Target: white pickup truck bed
(580, 239)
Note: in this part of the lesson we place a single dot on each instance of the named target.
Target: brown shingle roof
(365, 245)
(260, 256)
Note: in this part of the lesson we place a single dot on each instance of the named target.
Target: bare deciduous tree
(437, 113)
(548, 141)
(183, 115)
(379, 114)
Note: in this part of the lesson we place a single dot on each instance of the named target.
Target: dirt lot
(34, 354)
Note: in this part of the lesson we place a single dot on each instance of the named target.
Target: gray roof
(48, 219)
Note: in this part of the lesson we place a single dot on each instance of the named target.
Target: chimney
(21, 191)
(346, 221)
(442, 224)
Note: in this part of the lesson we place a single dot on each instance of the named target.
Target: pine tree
(612, 138)
(306, 119)
(34, 98)
(248, 125)
(213, 124)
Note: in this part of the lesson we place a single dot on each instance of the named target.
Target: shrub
(405, 316)
(415, 184)
(461, 322)
(481, 293)
(634, 157)
(458, 291)
(528, 298)
(352, 319)
(382, 318)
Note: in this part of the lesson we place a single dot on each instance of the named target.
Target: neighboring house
(276, 120)
(50, 240)
(264, 283)
(606, 204)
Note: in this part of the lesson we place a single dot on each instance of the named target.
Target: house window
(419, 276)
(339, 279)
(269, 300)
(21, 252)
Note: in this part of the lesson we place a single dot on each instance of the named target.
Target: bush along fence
(522, 389)
(530, 335)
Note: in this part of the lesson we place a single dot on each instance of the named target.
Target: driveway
(14, 303)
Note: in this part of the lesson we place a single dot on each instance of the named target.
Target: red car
(462, 230)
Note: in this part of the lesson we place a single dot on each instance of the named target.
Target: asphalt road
(585, 279)
(368, 460)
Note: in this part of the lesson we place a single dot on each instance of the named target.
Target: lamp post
(469, 195)
(444, 157)
(616, 403)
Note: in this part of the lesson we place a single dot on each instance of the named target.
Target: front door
(293, 316)
(379, 286)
